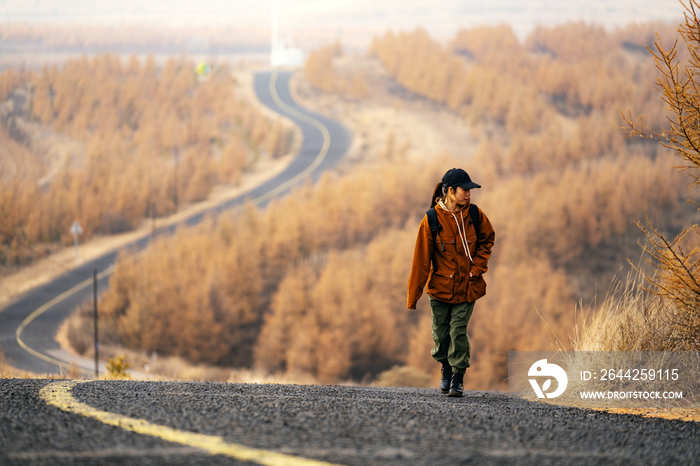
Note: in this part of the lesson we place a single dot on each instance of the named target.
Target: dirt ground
(420, 129)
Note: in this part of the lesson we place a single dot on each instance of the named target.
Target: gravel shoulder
(337, 424)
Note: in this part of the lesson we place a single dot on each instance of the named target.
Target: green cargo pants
(450, 337)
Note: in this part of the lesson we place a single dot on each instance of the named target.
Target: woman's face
(460, 196)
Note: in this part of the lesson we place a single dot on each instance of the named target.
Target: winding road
(99, 422)
(28, 326)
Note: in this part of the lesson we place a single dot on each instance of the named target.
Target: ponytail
(438, 192)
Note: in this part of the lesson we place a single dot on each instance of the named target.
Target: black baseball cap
(458, 177)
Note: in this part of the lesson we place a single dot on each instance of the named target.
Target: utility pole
(153, 218)
(176, 155)
(97, 345)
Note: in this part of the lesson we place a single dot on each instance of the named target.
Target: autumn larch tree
(676, 276)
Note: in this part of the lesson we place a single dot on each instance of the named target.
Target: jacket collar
(441, 204)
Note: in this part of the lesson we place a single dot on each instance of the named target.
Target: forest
(322, 292)
(149, 139)
(173, 40)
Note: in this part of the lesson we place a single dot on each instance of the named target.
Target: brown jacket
(451, 283)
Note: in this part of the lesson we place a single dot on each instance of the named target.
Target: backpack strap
(435, 228)
(476, 220)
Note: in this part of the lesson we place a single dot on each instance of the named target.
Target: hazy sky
(441, 18)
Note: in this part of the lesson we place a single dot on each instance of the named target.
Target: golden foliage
(573, 42)
(319, 69)
(202, 311)
(679, 90)
(11, 79)
(562, 214)
(439, 70)
(280, 141)
(576, 68)
(340, 314)
(347, 319)
(321, 72)
(676, 280)
(496, 46)
(669, 320)
(153, 139)
(529, 305)
(323, 289)
(201, 295)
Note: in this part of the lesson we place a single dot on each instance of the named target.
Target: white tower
(283, 52)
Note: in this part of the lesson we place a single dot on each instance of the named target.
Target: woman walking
(451, 255)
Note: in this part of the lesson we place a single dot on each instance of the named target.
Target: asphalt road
(32, 346)
(143, 423)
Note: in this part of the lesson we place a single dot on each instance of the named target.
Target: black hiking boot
(456, 387)
(446, 377)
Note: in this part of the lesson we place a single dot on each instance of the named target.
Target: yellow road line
(320, 157)
(314, 122)
(59, 395)
(66, 294)
(258, 200)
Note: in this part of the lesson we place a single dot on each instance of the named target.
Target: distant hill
(312, 23)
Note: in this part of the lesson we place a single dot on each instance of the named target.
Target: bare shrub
(675, 276)
(117, 367)
(676, 281)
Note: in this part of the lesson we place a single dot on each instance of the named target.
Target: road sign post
(97, 344)
(76, 230)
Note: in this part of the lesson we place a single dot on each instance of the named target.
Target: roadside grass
(629, 319)
(632, 319)
(153, 366)
(7, 371)
(122, 360)
(681, 414)
(142, 365)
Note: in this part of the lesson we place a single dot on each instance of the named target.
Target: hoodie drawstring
(463, 235)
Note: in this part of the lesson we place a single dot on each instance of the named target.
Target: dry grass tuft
(404, 376)
(7, 371)
(649, 311)
(632, 318)
(628, 320)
